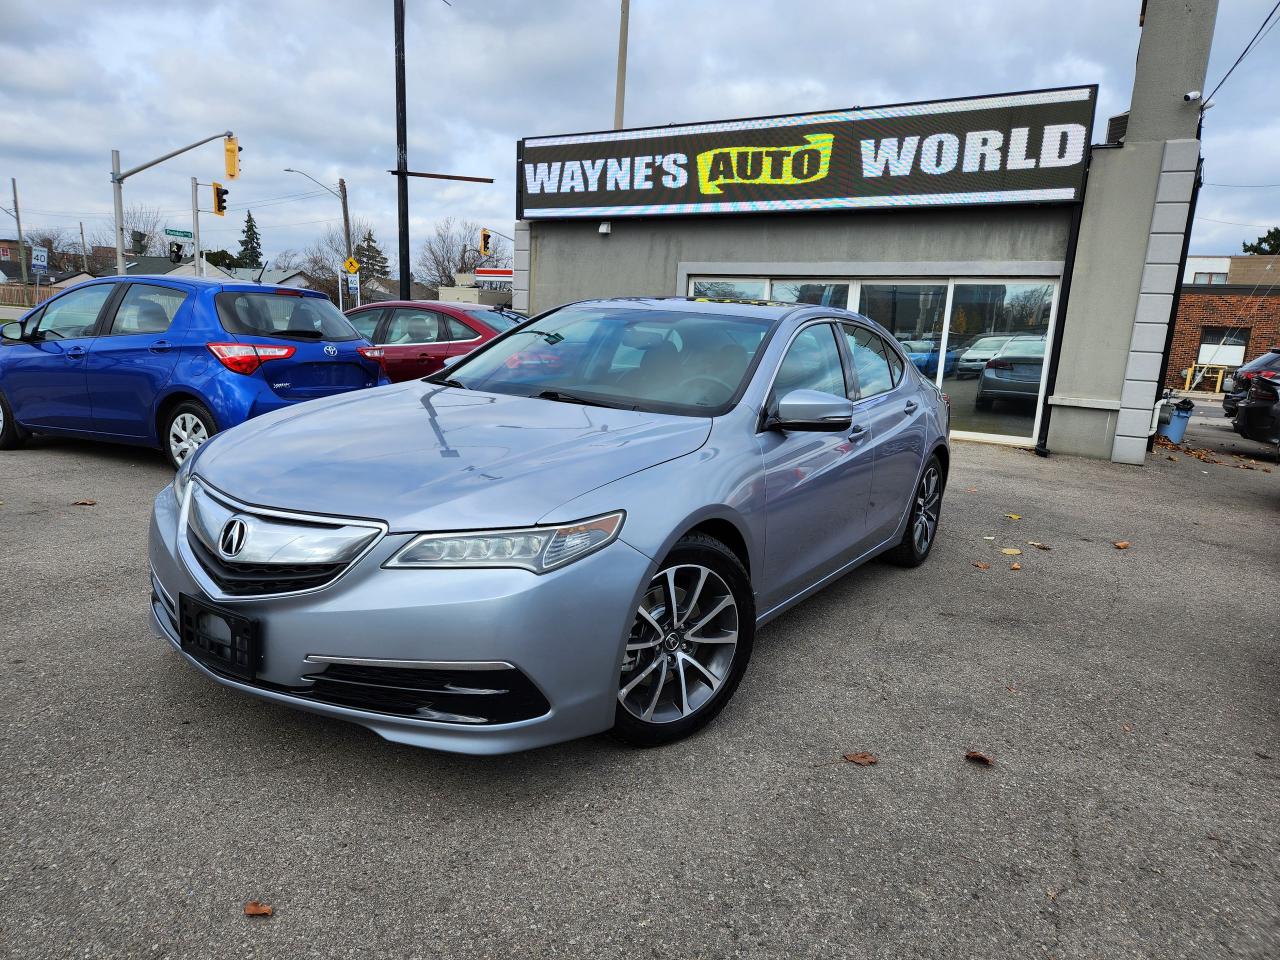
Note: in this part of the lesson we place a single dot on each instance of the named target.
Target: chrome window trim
(206, 582)
(318, 658)
(893, 346)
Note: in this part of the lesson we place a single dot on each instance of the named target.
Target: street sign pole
(195, 227)
(402, 153)
(17, 215)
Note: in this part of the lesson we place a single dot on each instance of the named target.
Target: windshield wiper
(454, 382)
(562, 397)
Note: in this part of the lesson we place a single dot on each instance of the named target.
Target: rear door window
(365, 322)
(459, 330)
(146, 308)
(876, 364)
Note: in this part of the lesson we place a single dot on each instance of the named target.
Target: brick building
(1223, 323)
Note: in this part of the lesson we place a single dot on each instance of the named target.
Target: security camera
(1191, 96)
(605, 227)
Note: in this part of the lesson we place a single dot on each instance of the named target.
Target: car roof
(763, 309)
(433, 304)
(214, 283)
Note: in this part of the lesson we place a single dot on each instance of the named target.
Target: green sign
(186, 234)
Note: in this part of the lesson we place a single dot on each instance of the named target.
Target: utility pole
(402, 154)
(17, 215)
(117, 186)
(195, 226)
(620, 92)
(84, 249)
(346, 216)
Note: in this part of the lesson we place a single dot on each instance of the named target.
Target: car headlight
(182, 479)
(538, 549)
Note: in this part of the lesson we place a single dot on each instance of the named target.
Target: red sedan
(417, 336)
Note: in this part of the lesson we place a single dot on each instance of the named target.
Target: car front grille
(254, 579)
(270, 552)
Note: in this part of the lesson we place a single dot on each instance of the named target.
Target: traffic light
(485, 248)
(231, 147)
(219, 199)
(175, 251)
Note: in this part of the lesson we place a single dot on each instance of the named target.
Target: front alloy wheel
(689, 644)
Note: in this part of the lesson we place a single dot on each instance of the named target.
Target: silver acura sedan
(577, 528)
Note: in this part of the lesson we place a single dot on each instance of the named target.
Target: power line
(1237, 223)
(1248, 47)
(1243, 186)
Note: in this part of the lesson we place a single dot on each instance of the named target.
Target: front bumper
(564, 631)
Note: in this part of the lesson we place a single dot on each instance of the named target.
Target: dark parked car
(1013, 373)
(168, 362)
(1258, 417)
(418, 336)
(1267, 366)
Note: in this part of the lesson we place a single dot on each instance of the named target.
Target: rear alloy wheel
(12, 436)
(689, 645)
(187, 428)
(922, 525)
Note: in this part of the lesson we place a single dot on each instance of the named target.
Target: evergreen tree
(1268, 243)
(373, 262)
(220, 258)
(250, 254)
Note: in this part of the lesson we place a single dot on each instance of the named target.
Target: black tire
(927, 497)
(175, 419)
(691, 552)
(982, 403)
(12, 436)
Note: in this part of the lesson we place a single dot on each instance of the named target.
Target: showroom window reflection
(984, 341)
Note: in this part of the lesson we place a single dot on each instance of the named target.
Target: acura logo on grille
(231, 542)
(330, 350)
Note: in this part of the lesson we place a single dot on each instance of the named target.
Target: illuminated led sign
(1012, 148)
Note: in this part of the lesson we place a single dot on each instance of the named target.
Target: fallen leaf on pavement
(975, 757)
(981, 566)
(1127, 727)
(1174, 459)
(972, 490)
(255, 909)
(862, 759)
(988, 538)
(1014, 516)
(1038, 545)
(84, 503)
(1012, 689)
(1121, 544)
(1011, 552)
(1015, 566)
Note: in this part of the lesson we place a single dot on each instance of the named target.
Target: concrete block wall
(520, 268)
(1155, 299)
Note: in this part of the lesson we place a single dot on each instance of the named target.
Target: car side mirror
(17, 330)
(811, 410)
(450, 361)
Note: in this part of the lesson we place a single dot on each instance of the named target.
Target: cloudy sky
(309, 84)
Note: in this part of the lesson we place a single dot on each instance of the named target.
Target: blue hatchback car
(167, 362)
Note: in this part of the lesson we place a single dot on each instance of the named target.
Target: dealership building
(983, 228)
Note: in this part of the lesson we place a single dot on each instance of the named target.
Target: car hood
(420, 456)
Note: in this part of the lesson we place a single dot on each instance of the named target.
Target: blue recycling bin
(1176, 428)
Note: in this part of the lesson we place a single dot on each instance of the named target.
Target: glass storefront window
(822, 292)
(910, 311)
(997, 339)
(731, 288)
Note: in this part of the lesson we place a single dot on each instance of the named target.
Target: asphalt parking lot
(1128, 698)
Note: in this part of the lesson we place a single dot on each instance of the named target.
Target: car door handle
(75, 353)
(160, 346)
(911, 406)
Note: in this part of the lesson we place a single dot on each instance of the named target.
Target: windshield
(679, 362)
(294, 317)
(989, 343)
(1023, 347)
(498, 319)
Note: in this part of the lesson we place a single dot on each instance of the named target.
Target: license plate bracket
(223, 641)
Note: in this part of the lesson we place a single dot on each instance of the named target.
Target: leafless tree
(322, 260)
(63, 246)
(138, 218)
(286, 260)
(452, 248)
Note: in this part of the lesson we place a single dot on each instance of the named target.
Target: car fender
(665, 501)
(184, 389)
